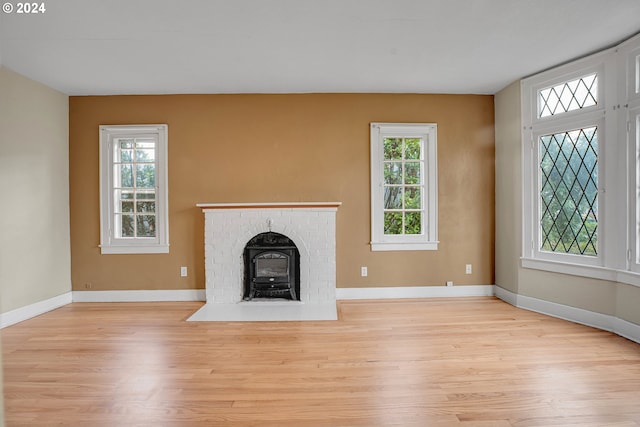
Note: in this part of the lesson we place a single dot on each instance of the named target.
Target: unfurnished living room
(342, 213)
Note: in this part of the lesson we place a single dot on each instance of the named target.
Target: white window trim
(429, 239)
(629, 64)
(108, 243)
(618, 121)
(534, 126)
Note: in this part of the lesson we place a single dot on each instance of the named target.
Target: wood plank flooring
(436, 362)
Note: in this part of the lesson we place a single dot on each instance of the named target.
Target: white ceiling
(100, 47)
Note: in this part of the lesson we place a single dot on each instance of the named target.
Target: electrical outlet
(468, 269)
(88, 285)
(183, 271)
(449, 283)
(363, 271)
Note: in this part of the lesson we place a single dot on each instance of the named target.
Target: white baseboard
(505, 295)
(414, 292)
(140, 296)
(578, 315)
(32, 310)
(626, 329)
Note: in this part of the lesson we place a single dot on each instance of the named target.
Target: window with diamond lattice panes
(403, 186)
(569, 96)
(581, 166)
(569, 192)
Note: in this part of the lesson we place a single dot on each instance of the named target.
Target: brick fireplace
(228, 229)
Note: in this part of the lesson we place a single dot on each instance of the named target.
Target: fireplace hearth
(271, 267)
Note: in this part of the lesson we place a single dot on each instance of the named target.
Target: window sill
(155, 249)
(421, 246)
(592, 272)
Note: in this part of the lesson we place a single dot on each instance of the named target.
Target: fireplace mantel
(269, 205)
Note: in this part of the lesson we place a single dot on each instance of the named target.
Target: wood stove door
(271, 275)
(271, 267)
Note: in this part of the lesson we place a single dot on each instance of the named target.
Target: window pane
(145, 151)
(146, 207)
(393, 173)
(125, 143)
(126, 156)
(125, 175)
(412, 223)
(126, 206)
(412, 148)
(393, 197)
(146, 225)
(145, 156)
(145, 176)
(123, 201)
(569, 192)
(412, 198)
(392, 223)
(412, 173)
(145, 195)
(393, 148)
(127, 226)
(145, 143)
(569, 96)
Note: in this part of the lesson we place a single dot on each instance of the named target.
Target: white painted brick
(227, 232)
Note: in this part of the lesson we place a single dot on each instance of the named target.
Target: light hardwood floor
(437, 362)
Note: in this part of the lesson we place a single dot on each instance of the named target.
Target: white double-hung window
(580, 168)
(403, 186)
(133, 189)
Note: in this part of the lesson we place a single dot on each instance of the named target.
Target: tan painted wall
(34, 189)
(312, 147)
(599, 296)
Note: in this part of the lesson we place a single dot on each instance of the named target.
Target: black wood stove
(271, 267)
